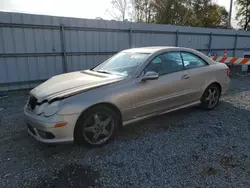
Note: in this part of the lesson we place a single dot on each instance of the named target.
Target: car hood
(72, 83)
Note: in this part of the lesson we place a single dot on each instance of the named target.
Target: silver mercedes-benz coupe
(90, 106)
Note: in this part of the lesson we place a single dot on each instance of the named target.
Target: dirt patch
(210, 171)
(228, 162)
(71, 175)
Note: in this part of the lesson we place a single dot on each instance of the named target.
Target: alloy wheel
(212, 97)
(98, 128)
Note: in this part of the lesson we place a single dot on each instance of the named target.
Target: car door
(169, 91)
(199, 74)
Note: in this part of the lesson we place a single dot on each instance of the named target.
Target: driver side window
(166, 63)
(192, 61)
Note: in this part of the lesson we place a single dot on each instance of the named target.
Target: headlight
(40, 109)
(51, 109)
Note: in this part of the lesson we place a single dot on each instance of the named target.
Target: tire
(96, 126)
(211, 97)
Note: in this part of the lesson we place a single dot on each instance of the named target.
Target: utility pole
(230, 14)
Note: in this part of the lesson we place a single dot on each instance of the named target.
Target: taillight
(228, 72)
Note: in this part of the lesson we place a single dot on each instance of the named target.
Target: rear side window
(192, 61)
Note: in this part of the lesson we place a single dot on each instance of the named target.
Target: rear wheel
(211, 97)
(96, 126)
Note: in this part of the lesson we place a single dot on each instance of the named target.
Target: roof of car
(150, 49)
(156, 49)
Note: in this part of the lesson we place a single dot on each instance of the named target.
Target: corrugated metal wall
(34, 47)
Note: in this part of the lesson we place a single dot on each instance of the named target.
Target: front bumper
(43, 128)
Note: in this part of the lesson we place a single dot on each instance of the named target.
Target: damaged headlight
(40, 109)
(51, 109)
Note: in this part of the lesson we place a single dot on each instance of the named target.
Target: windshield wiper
(103, 71)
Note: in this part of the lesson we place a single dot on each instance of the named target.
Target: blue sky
(73, 8)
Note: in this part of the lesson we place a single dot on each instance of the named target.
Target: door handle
(185, 76)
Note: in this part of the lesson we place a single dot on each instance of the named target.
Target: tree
(170, 12)
(199, 13)
(120, 9)
(206, 13)
(243, 13)
(223, 17)
(143, 11)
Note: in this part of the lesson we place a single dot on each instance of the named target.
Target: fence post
(210, 42)
(63, 49)
(235, 44)
(177, 38)
(130, 37)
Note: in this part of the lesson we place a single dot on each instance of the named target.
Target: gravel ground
(188, 148)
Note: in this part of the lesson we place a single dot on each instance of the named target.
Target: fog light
(46, 135)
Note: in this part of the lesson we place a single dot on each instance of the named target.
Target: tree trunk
(247, 20)
(246, 24)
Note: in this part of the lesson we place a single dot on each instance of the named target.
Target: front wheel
(96, 126)
(210, 97)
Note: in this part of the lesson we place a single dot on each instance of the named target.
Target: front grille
(32, 102)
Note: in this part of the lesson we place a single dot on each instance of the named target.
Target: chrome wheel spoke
(209, 95)
(210, 102)
(106, 122)
(210, 92)
(97, 119)
(96, 136)
(89, 129)
(214, 93)
(105, 132)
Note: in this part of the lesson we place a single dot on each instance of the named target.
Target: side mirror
(150, 75)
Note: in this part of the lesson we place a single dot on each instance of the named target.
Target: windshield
(123, 63)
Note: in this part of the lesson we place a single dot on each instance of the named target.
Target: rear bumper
(43, 129)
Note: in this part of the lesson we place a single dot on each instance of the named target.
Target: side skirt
(160, 113)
